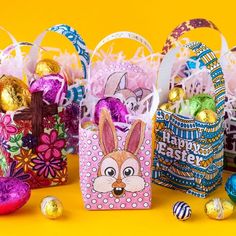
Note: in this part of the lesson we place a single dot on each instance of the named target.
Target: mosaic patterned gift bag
(75, 90)
(115, 163)
(189, 153)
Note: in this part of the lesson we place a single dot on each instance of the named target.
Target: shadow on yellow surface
(78, 221)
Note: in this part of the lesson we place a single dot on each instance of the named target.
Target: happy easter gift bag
(115, 156)
(189, 153)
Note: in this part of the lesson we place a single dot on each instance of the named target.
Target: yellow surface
(94, 20)
(78, 221)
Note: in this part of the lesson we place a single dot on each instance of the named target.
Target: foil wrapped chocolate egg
(51, 207)
(219, 209)
(14, 94)
(89, 125)
(47, 67)
(201, 102)
(206, 116)
(116, 108)
(14, 194)
(230, 187)
(54, 88)
(167, 107)
(182, 211)
(176, 94)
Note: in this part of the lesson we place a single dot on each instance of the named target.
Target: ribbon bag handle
(211, 62)
(191, 25)
(72, 35)
(123, 35)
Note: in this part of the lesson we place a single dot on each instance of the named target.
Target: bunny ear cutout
(116, 81)
(135, 137)
(107, 133)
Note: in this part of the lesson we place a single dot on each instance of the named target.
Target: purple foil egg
(117, 109)
(14, 194)
(54, 88)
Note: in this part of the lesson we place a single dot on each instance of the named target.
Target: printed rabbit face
(117, 85)
(119, 171)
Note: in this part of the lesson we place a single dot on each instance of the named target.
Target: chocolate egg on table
(182, 211)
(176, 94)
(54, 88)
(47, 67)
(167, 107)
(14, 94)
(14, 194)
(219, 209)
(51, 207)
(201, 102)
(206, 116)
(230, 187)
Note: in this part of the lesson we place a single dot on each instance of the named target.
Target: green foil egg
(201, 102)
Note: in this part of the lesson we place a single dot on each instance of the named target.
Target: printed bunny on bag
(119, 170)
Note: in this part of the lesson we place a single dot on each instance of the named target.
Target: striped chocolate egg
(182, 211)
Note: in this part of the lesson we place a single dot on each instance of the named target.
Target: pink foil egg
(117, 109)
(54, 88)
(14, 194)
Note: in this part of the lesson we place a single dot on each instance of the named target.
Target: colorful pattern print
(189, 153)
(115, 167)
(75, 92)
(183, 28)
(41, 163)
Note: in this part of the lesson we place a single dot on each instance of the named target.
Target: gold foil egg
(47, 67)
(207, 116)
(89, 125)
(167, 107)
(14, 94)
(176, 94)
(219, 209)
(51, 207)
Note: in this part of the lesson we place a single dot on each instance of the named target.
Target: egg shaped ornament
(14, 94)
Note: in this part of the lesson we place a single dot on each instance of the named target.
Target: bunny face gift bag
(115, 145)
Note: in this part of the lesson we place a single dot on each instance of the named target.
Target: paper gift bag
(115, 158)
(71, 73)
(189, 153)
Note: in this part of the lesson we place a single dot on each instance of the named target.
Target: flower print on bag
(50, 145)
(6, 128)
(47, 167)
(24, 126)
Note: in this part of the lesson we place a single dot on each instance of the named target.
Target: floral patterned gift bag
(73, 75)
(33, 137)
(115, 156)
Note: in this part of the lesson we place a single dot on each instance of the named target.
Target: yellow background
(94, 20)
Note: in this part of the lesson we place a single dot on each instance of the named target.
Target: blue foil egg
(230, 187)
(182, 211)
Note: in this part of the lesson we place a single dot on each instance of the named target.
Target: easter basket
(70, 74)
(115, 157)
(32, 146)
(188, 153)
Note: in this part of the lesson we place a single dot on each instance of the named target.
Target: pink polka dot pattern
(90, 156)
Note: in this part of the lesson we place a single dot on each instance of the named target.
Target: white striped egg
(182, 210)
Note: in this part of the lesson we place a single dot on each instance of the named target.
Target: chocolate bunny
(119, 170)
